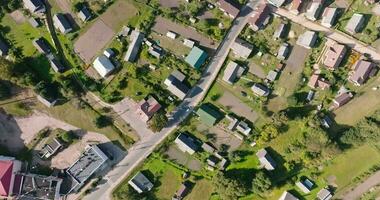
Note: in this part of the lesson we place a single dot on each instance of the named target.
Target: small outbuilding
(103, 66)
(196, 57)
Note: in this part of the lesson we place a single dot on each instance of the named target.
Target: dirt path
(357, 192)
(65, 6)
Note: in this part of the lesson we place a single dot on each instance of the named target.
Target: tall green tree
(261, 183)
(228, 188)
(158, 122)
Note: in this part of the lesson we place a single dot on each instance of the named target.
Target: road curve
(142, 149)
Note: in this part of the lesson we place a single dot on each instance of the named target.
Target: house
(266, 160)
(296, 6)
(56, 65)
(334, 54)
(50, 148)
(33, 22)
(305, 186)
(208, 114)
(228, 8)
(140, 183)
(181, 192)
(196, 57)
(314, 11)
(241, 48)
(342, 99)
(329, 17)
(186, 143)
(280, 31)
(156, 51)
(233, 122)
(4, 49)
(35, 6)
(33, 186)
(232, 72)
(171, 35)
(287, 196)
(283, 51)
(103, 66)
(244, 128)
(175, 84)
(41, 46)
(109, 53)
(87, 164)
(307, 39)
(317, 82)
(147, 107)
(9, 167)
(277, 3)
(260, 90)
(189, 43)
(324, 194)
(260, 17)
(355, 24)
(134, 47)
(362, 70)
(272, 75)
(61, 23)
(84, 14)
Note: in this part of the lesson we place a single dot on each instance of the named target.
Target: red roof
(6, 168)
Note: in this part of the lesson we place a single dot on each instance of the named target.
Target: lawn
(174, 46)
(350, 165)
(365, 103)
(369, 33)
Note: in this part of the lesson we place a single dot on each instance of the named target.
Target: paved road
(331, 33)
(147, 144)
(364, 187)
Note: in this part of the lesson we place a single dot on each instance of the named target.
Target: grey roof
(208, 148)
(283, 51)
(265, 159)
(42, 46)
(3, 48)
(329, 16)
(272, 75)
(90, 161)
(57, 65)
(61, 23)
(277, 3)
(324, 194)
(140, 183)
(186, 143)
(35, 186)
(280, 31)
(314, 11)
(134, 47)
(178, 75)
(305, 185)
(307, 39)
(242, 48)
(84, 14)
(32, 21)
(34, 6)
(156, 51)
(260, 89)
(287, 196)
(51, 147)
(175, 84)
(355, 24)
(310, 95)
(231, 72)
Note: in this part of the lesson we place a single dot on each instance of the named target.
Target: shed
(355, 24)
(33, 22)
(140, 183)
(103, 66)
(280, 31)
(329, 17)
(61, 23)
(260, 90)
(189, 42)
(171, 35)
(196, 57)
(109, 53)
(283, 51)
(84, 14)
(56, 65)
(307, 39)
(272, 75)
(324, 194)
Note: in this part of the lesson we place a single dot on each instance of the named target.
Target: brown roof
(334, 55)
(317, 82)
(148, 107)
(342, 99)
(228, 8)
(361, 72)
(296, 5)
(259, 17)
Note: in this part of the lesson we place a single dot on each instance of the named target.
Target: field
(364, 104)
(118, 14)
(174, 46)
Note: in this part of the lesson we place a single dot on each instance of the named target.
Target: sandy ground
(376, 10)
(256, 70)
(18, 17)
(95, 39)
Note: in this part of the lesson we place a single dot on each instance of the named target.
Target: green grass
(17, 109)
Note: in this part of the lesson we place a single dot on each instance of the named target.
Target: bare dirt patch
(220, 137)
(237, 106)
(206, 15)
(183, 158)
(18, 17)
(94, 40)
(163, 25)
(376, 10)
(256, 70)
(170, 3)
(117, 14)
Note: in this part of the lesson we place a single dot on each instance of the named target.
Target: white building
(103, 65)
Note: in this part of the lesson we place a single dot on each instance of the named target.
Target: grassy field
(174, 46)
(365, 103)
(369, 33)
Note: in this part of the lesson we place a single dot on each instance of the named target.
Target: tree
(268, 133)
(261, 183)
(102, 121)
(158, 122)
(4, 91)
(228, 188)
(68, 137)
(7, 69)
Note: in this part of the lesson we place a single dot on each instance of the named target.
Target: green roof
(196, 57)
(208, 115)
